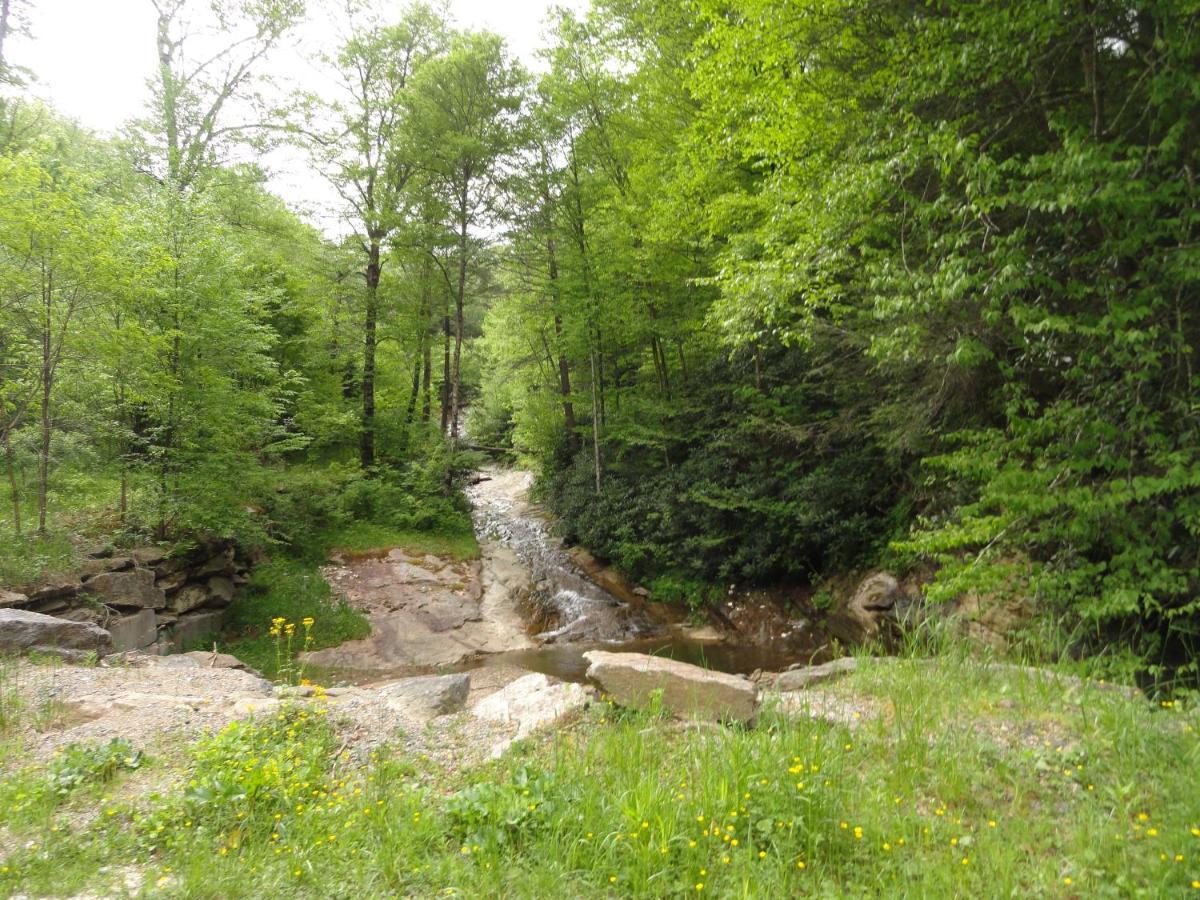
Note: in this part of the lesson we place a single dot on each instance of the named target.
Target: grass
(368, 537)
(293, 587)
(295, 590)
(972, 782)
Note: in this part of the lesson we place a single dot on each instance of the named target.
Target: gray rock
(529, 703)
(21, 629)
(633, 679)
(148, 556)
(93, 567)
(196, 627)
(220, 590)
(172, 581)
(133, 632)
(135, 588)
(12, 598)
(427, 696)
(220, 564)
(796, 679)
(189, 597)
(62, 588)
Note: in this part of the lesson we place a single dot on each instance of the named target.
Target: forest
(764, 292)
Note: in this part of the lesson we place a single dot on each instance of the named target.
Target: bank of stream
(529, 603)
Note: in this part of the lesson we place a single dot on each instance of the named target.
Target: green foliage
(34, 795)
(1043, 786)
(295, 590)
(508, 814)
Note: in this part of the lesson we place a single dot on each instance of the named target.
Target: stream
(529, 603)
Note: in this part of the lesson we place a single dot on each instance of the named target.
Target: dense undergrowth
(1006, 785)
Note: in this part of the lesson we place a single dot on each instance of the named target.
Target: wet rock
(21, 629)
(635, 679)
(531, 702)
(860, 618)
(797, 679)
(134, 589)
(428, 696)
(133, 632)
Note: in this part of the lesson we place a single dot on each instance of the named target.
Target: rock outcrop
(146, 599)
(636, 680)
(21, 629)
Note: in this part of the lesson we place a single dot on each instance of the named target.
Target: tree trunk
(12, 483)
(367, 437)
(427, 404)
(564, 370)
(411, 412)
(47, 387)
(445, 392)
(459, 299)
(595, 424)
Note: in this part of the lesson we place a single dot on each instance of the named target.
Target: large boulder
(530, 702)
(861, 617)
(634, 679)
(21, 629)
(133, 632)
(135, 588)
(427, 696)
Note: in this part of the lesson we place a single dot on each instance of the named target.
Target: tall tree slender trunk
(427, 403)
(445, 392)
(460, 297)
(564, 370)
(367, 436)
(11, 470)
(47, 388)
(595, 423)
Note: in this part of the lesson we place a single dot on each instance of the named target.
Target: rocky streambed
(530, 603)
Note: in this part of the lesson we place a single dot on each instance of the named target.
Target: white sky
(92, 59)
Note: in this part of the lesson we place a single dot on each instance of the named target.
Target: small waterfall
(582, 610)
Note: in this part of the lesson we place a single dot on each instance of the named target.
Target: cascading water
(580, 609)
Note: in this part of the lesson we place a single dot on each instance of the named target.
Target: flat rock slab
(531, 702)
(133, 632)
(428, 696)
(21, 629)
(635, 679)
(798, 679)
(11, 598)
(135, 588)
